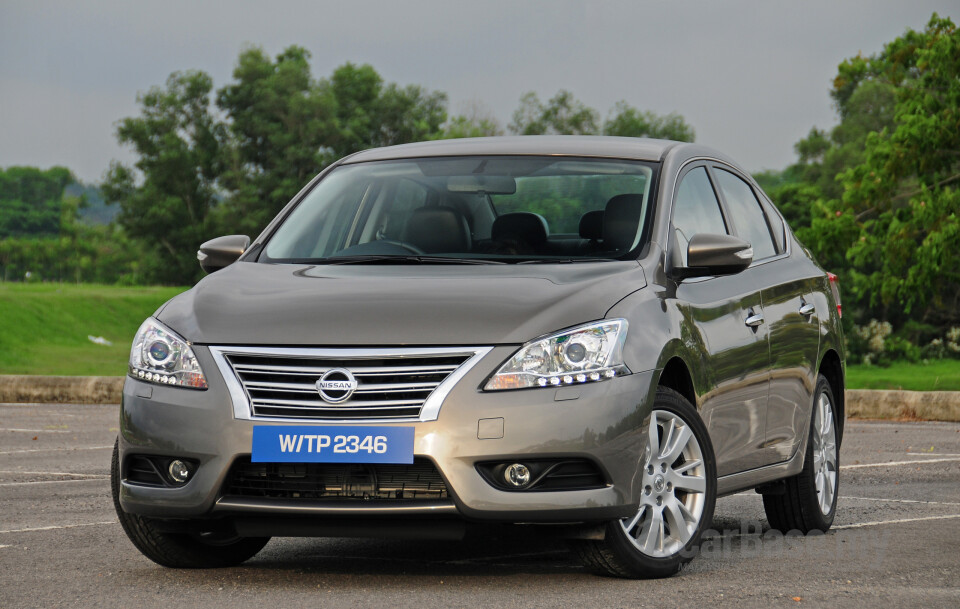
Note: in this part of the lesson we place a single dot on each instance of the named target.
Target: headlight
(158, 355)
(588, 353)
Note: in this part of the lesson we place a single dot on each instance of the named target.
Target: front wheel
(188, 550)
(679, 490)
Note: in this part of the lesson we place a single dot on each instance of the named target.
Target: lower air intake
(383, 482)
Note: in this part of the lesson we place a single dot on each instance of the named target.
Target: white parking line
(861, 525)
(894, 463)
(37, 430)
(42, 450)
(56, 528)
(899, 424)
(49, 482)
(886, 500)
(17, 471)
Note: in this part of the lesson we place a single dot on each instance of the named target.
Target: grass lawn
(44, 327)
(938, 375)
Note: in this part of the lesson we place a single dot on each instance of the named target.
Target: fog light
(517, 475)
(179, 471)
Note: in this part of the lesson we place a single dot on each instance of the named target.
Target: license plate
(331, 444)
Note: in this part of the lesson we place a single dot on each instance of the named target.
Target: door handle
(808, 309)
(754, 320)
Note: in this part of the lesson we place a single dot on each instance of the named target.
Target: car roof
(641, 149)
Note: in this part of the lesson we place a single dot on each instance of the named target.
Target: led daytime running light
(585, 354)
(158, 355)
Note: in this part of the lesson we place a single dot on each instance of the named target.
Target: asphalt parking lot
(895, 542)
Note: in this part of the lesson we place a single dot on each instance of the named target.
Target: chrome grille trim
(424, 405)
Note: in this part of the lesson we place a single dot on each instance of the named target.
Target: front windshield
(478, 209)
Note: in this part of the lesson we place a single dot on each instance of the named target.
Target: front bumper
(602, 422)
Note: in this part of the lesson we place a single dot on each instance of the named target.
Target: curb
(903, 405)
(41, 389)
(860, 403)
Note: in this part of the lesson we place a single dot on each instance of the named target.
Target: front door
(727, 315)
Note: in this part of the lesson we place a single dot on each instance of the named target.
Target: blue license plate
(331, 444)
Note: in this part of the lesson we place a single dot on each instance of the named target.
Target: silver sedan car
(596, 337)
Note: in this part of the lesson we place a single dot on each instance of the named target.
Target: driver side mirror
(222, 251)
(711, 255)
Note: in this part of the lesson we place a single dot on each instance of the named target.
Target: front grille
(421, 480)
(392, 387)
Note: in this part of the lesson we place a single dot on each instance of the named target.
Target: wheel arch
(831, 367)
(676, 375)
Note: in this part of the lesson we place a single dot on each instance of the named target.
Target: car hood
(339, 305)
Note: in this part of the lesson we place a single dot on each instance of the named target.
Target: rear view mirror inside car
(492, 185)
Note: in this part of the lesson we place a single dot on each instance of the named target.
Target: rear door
(790, 315)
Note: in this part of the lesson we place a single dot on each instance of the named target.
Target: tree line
(221, 161)
(226, 161)
(875, 198)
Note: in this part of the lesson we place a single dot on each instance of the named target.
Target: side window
(776, 225)
(696, 209)
(747, 215)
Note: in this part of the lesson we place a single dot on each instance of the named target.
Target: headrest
(591, 225)
(522, 226)
(437, 230)
(621, 219)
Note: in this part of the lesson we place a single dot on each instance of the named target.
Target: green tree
(628, 121)
(166, 198)
(475, 121)
(370, 114)
(876, 197)
(562, 115)
(904, 194)
(280, 120)
(31, 200)
(199, 175)
(409, 114)
(356, 90)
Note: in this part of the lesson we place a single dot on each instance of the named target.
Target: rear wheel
(199, 548)
(809, 499)
(677, 499)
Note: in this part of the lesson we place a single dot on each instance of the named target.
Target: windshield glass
(481, 209)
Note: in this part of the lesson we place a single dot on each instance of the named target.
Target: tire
(654, 542)
(180, 550)
(809, 499)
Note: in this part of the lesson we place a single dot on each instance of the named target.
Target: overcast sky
(751, 77)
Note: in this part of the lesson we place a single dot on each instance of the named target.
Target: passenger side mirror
(222, 251)
(710, 255)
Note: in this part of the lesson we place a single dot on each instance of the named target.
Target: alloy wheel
(825, 454)
(674, 488)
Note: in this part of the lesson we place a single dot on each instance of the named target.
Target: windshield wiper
(444, 259)
(412, 259)
(561, 260)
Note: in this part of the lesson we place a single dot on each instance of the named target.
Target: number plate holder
(331, 444)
